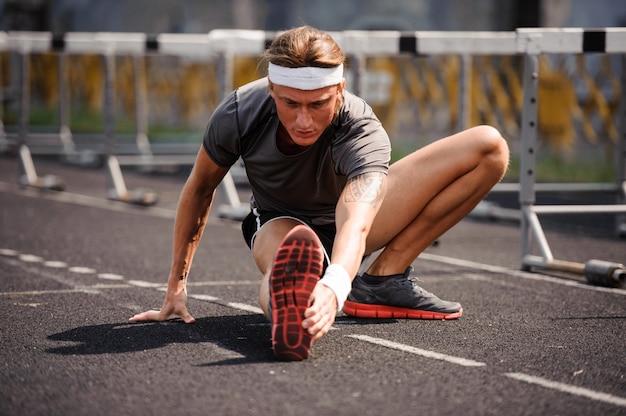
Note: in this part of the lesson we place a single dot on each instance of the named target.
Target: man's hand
(320, 316)
(174, 307)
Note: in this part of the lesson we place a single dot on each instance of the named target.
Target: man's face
(306, 114)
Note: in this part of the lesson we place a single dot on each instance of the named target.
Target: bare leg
(266, 244)
(431, 190)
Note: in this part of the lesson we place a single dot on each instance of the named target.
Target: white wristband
(337, 279)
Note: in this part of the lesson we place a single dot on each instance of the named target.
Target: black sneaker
(398, 296)
(297, 268)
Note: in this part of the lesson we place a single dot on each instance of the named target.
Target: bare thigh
(267, 241)
(415, 180)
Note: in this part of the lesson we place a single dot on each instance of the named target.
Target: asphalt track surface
(75, 266)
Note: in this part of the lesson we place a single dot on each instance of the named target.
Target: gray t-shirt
(307, 184)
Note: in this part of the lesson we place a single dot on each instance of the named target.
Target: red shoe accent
(363, 310)
(297, 268)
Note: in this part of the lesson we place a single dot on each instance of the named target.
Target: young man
(324, 196)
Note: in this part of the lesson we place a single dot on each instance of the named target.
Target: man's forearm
(191, 217)
(356, 210)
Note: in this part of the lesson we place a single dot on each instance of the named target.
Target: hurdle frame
(533, 43)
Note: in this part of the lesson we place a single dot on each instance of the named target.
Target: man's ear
(270, 88)
(341, 87)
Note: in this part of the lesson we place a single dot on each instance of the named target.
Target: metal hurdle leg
(234, 210)
(141, 118)
(27, 174)
(620, 154)
(529, 143)
(70, 154)
(116, 185)
(465, 93)
(596, 271)
(5, 145)
(65, 134)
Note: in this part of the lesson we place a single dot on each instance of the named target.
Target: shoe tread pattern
(297, 268)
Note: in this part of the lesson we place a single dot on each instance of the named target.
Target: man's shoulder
(255, 90)
(356, 107)
(253, 101)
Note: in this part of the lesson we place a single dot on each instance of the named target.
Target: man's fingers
(152, 315)
(320, 316)
(155, 315)
(188, 319)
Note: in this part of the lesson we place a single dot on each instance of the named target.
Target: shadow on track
(246, 336)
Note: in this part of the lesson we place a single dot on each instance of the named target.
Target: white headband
(305, 78)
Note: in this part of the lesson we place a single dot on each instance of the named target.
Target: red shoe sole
(361, 310)
(297, 268)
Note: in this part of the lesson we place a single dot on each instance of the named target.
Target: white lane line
(245, 307)
(234, 305)
(477, 277)
(517, 273)
(143, 283)
(418, 351)
(566, 388)
(110, 276)
(225, 282)
(37, 292)
(206, 298)
(30, 258)
(81, 270)
(104, 286)
(55, 264)
(38, 271)
(77, 289)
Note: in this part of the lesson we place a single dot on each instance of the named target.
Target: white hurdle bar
(531, 43)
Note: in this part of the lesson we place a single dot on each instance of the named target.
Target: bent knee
(490, 138)
(494, 147)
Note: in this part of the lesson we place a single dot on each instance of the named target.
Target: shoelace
(415, 287)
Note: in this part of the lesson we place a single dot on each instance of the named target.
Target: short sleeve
(222, 140)
(361, 143)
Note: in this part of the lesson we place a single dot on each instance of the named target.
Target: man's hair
(304, 46)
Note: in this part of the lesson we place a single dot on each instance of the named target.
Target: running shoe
(397, 296)
(297, 268)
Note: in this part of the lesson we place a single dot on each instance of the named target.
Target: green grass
(554, 169)
(90, 121)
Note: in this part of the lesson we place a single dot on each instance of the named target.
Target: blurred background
(199, 16)
(417, 98)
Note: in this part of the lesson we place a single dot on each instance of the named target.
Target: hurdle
(532, 43)
(27, 173)
(107, 45)
(529, 43)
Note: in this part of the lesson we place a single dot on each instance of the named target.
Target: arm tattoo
(366, 188)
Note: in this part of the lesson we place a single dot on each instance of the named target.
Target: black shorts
(254, 221)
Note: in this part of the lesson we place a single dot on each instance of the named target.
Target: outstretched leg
(291, 258)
